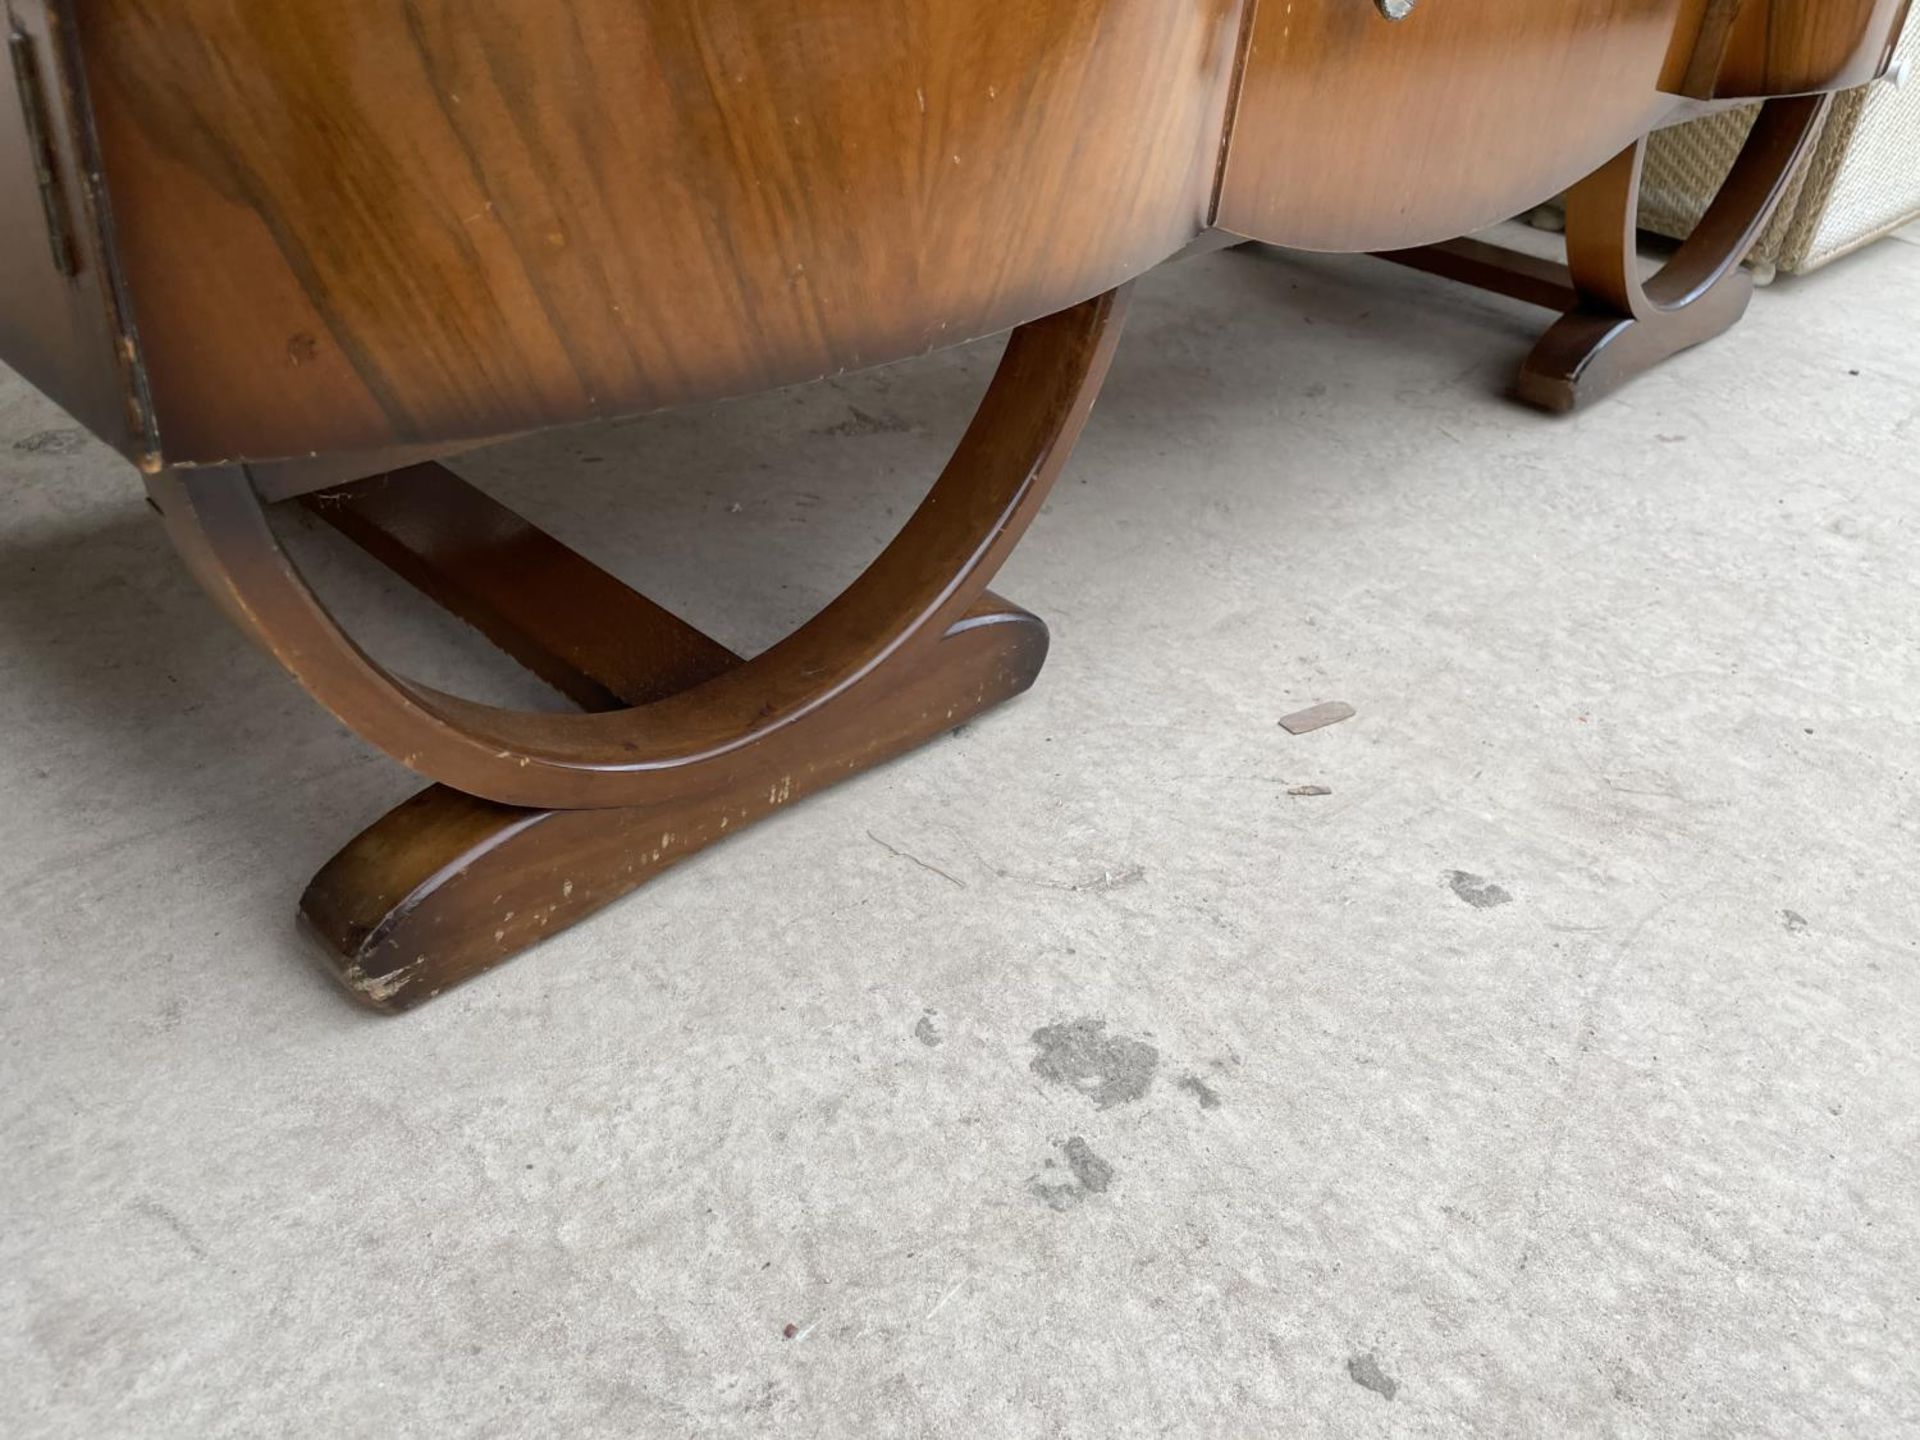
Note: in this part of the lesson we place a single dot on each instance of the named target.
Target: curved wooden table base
(1616, 326)
(651, 750)
(541, 819)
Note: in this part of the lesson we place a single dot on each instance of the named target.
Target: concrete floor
(1555, 1075)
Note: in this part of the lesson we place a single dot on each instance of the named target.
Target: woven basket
(1861, 182)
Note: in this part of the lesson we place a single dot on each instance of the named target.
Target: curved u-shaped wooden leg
(932, 573)
(542, 819)
(1614, 325)
(1624, 325)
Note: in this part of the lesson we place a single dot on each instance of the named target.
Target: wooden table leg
(541, 819)
(449, 885)
(1615, 325)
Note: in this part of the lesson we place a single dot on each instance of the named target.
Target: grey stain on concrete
(1108, 1069)
(927, 1032)
(166, 1217)
(51, 442)
(1057, 1197)
(1477, 890)
(1093, 1173)
(1365, 1370)
(1208, 1097)
(859, 422)
(1793, 922)
(1091, 1176)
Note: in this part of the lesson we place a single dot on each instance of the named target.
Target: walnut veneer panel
(348, 224)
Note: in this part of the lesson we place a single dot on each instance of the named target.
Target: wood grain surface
(1753, 48)
(460, 218)
(1354, 133)
(383, 230)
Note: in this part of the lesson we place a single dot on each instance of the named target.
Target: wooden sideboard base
(540, 819)
(1615, 325)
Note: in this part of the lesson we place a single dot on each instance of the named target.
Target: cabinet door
(1359, 133)
(354, 223)
(58, 326)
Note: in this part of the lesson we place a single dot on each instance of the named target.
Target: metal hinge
(46, 169)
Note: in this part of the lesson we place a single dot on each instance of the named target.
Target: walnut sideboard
(299, 252)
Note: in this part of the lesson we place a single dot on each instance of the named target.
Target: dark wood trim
(578, 628)
(1513, 273)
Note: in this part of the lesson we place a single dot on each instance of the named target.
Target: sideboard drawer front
(1793, 47)
(355, 223)
(1356, 132)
